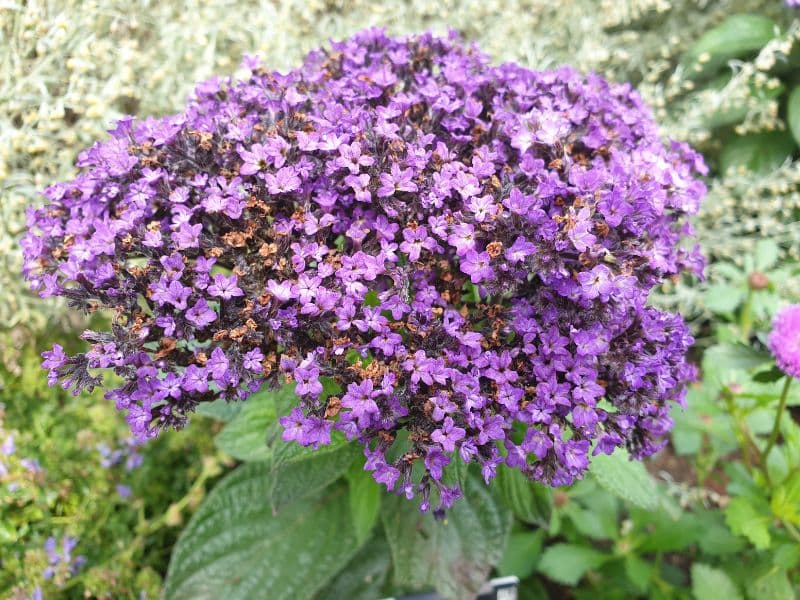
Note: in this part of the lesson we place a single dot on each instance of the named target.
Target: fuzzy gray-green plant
(69, 67)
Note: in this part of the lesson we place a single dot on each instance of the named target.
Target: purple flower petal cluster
(784, 340)
(465, 250)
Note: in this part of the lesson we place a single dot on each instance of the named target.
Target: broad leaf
(219, 409)
(736, 37)
(773, 585)
(308, 473)
(529, 501)
(625, 478)
(733, 357)
(567, 563)
(245, 437)
(454, 555)
(364, 577)
(522, 554)
(744, 519)
(757, 152)
(708, 582)
(365, 499)
(236, 547)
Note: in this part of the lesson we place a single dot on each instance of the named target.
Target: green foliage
(626, 479)
(237, 545)
(736, 37)
(454, 556)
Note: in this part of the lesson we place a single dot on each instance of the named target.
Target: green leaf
(708, 582)
(237, 547)
(787, 556)
(625, 478)
(567, 563)
(736, 37)
(766, 255)
(723, 298)
(529, 501)
(454, 555)
(734, 357)
(793, 113)
(219, 409)
(365, 499)
(743, 519)
(639, 572)
(785, 502)
(757, 152)
(245, 437)
(774, 585)
(308, 473)
(365, 575)
(522, 554)
(769, 376)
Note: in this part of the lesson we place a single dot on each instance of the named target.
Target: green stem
(746, 318)
(777, 427)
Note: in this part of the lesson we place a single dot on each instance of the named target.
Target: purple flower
(225, 287)
(327, 238)
(201, 315)
(784, 340)
(476, 265)
(448, 435)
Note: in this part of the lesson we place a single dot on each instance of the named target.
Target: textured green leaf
(744, 519)
(529, 501)
(736, 37)
(365, 575)
(237, 547)
(567, 563)
(625, 478)
(454, 555)
(245, 436)
(522, 553)
(757, 152)
(708, 582)
(365, 499)
(308, 473)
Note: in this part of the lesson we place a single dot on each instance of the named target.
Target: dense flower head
(784, 340)
(463, 251)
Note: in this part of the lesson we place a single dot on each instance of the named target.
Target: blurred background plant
(721, 74)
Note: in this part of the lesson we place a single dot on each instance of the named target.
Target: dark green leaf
(529, 501)
(757, 152)
(625, 479)
(455, 555)
(365, 499)
(364, 577)
(308, 473)
(639, 572)
(768, 376)
(237, 547)
(567, 563)
(736, 37)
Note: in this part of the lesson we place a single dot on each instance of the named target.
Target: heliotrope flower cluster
(784, 340)
(465, 250)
